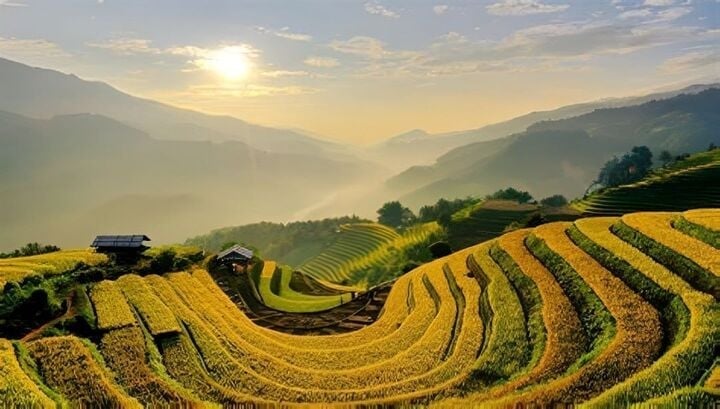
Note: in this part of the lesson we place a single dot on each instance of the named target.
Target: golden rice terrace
(602, 312)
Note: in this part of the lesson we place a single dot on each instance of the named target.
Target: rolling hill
(603, 311)
(564, 156)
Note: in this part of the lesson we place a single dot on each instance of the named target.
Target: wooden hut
(235, 255)
(125, 249)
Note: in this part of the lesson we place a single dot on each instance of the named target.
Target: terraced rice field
(602, 312)
(15, 270)
(486, 221)
(686, 185)
(273, 287)
(359, 247)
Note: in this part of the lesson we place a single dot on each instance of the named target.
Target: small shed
(124, 243)
(235, 255)
(125, 248)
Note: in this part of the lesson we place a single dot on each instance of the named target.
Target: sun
(230, 62)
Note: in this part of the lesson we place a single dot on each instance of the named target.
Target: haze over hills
(81, 157)
(418, 147)
(71, 177)
(44, 93)
(564, 156)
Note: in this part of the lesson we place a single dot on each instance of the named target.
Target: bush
(511, 194)
(554, 201)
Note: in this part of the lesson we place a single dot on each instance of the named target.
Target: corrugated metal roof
(247, 253)
(133, 240)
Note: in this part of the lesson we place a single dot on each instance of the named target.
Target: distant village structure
(235, 256)
(126, 249)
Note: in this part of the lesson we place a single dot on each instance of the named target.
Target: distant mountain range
(43, 93)
(79, 158)
(65, 179)
(418, 147)
(564, 156)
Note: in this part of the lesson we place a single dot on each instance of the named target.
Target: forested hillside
(564, 156)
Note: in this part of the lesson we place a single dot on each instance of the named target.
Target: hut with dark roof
(235, 255)
(124, 248)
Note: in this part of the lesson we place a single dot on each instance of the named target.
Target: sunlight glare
(230, 62)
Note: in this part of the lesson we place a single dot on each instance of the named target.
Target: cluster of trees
(633, 166)
(443, 210)
(511, 194)
(168, 259)
(394, 214)
(31, 249)
(629, 168)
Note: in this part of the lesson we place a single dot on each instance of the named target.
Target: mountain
(564, 156)
(67, 178)
(418, 147)
(44, 93)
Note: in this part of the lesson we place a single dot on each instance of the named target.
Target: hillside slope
(686, 184)
(417, 147)
(603, 311)
(564, 156)
(361, 253)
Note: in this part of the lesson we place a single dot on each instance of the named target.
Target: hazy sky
(359, 71)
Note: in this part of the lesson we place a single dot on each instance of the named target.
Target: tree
(31, 249)
(554, 201)
(665, 157)
(511, 194)
(712, 146)
(633, 166)
(394, 214)
(443, 210)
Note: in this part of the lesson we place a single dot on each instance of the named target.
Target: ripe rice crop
(69, 367)
(683, 363)
(18, 269)
(589, 313)
(111, 307)
(16, 388)
(637, 340)
(156, 315)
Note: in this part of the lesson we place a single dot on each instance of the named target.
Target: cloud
(550, 47)
(284, 73)
(692, 61)
(658, 3)
(216, 92)
(11, 3)
(368, 47)
(322, 62)
(654, 15)
(673, 13)
(134, 46)
(587, 39)
(378, 9)
(30, 48)
(440, 9)
(639, 13)
(523, 7)
(127, 46)
(286, 34)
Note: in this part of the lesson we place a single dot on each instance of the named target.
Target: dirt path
(69, 312)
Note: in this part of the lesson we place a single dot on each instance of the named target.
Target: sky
(362, 71)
